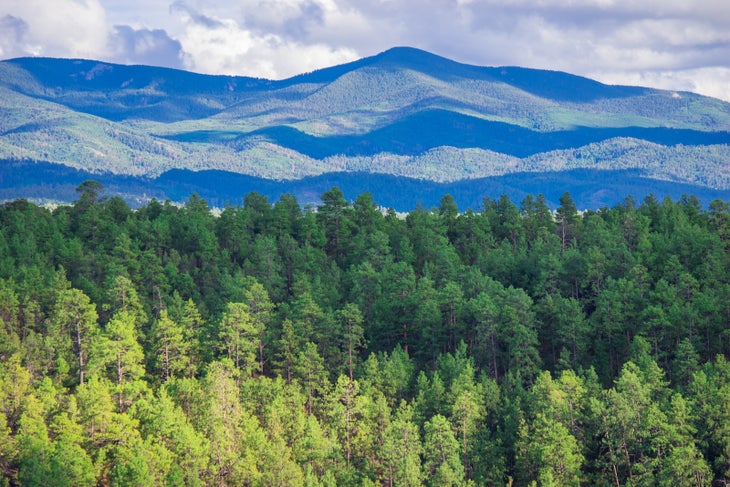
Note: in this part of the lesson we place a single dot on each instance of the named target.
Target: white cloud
(711, 81)
(675, 44)
(287, 18)
(12, 40)
(223, 46)
(68, 28)
(128, 45)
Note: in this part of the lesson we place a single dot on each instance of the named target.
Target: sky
(668, 44)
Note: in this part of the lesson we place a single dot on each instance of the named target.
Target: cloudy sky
(672, 44)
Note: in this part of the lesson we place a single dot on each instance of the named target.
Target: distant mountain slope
(403, 112)
(46, 182)
(118, 92)
(427, 129)
(396, 79)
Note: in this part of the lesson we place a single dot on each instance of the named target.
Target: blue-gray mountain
(404, 124)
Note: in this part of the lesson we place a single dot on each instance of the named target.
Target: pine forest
(270, 344)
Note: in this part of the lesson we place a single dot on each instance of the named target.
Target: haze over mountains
(406, 125)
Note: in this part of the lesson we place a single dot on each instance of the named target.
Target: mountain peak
(408, 54)
(424, 61)
(400, 57)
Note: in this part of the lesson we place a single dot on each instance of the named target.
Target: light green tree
(168, 339)
(234, 434)
(69, 463)
(239, 336)
(74, 326)
(442, 462)
(549, 453)
(402, 450)
(34, 446)
(261, 309)
(349, 324)
(119, 353)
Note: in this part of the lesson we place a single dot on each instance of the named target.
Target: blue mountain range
(406, 125)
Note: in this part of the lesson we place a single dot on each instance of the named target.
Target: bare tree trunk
(494, 357)
(167, 362)
(120, 376)
(80, 352)
(261, 353)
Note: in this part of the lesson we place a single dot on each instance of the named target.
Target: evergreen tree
(566, 217)
(75, 319)
(261, 309)
(172, 349)
(239, 336)
(119, 353)
(441, 454)
(402, 450)
(34, 446)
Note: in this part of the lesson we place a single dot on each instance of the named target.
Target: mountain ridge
(89, 75)
(401, 106)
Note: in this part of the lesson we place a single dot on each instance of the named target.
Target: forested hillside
(403, 113)
(272, 344)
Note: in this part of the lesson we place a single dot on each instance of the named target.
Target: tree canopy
(349, 345)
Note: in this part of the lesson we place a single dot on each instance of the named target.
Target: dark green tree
(566, 218)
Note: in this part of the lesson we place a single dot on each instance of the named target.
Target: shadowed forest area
(272, 344)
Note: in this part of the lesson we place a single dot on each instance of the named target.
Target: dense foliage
(275, 345)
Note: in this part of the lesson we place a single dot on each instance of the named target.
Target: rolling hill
(404, 118)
